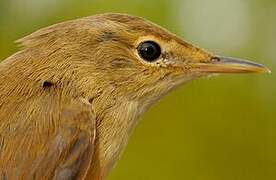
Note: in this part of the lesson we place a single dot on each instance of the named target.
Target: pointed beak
(221, 64)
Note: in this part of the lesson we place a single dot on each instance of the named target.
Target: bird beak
(221, 64)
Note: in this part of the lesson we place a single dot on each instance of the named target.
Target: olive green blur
(210, 129)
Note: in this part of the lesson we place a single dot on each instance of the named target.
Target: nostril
(215, 59)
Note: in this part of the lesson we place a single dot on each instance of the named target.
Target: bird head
(130, 56)
(144, 61)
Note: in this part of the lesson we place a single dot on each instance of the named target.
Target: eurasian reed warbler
(71, 96)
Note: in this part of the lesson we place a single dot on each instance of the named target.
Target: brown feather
(63, 73)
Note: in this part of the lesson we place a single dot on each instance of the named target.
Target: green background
(210, 129)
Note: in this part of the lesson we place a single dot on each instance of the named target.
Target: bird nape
(71, 96)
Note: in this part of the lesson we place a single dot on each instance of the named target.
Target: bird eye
(149, 51)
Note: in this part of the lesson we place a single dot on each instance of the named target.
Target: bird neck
(116, 118)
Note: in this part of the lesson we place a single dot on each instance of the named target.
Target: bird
(74, 91)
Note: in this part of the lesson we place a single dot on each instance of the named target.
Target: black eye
(149, 50)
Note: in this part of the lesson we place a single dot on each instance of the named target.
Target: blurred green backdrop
(210, 129)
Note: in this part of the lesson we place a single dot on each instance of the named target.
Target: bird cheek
(182, 73)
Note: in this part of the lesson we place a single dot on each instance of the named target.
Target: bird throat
(114, 127)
